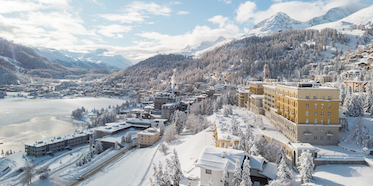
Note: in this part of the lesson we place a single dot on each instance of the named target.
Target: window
(328, 138)
(322, 105)
(329, 113)
(321, 138)
(307, 113)
(328, 121)
(329, 105)
(307, 97)
(328, 130)
(208, 171)
(307, 129)
(315, 113)
(315, 130)
(307, 121)
(315, 121)
(322, 113)
(322, 97)
(315, 138)
(307, 105)
(315, 105)
(306, 138)
(322, 130)
(322, 121)
(314, 97)
(329, 97)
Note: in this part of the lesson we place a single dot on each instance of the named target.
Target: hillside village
(290, 108)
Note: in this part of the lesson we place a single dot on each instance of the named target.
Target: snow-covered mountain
(332, 15)
(189, 50)
(281, 21)
(93, 59)
(361, 17)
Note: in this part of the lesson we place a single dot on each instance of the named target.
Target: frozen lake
(26, 120)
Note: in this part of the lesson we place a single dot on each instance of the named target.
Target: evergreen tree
(306, 166)
(246, 179)
(355, 107)
(342, 94)
(177, 172)
(242, 142)
(179, 118)
(234, 126)
(281, 155)
(98, 147)
(284, 174)
(237, 176)
(161, 127)
(368, 101)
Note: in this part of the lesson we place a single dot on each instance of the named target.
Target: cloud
(137, 11)
(9, 6)
(182, 12)
(219, 20)
(245, 11)
(226, 1)
(114, 30)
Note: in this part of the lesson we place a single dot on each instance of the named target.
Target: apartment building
(307, 112)
(256, 87)
(56, 144)
(243, 96)
(163, 98)
(269, 100)
(148, 137)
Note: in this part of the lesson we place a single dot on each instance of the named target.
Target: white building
(213, 160)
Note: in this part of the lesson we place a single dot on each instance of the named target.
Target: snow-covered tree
(2, 152)
(306, 166)
(284, 174)
(368, 100)
(271, 151)
(254, 150)
(98, 147)
(128, 137)
(170, 133)
(177, 173)
(123, 139)
(234, 126)
(246, 179)
(179, 118)
(27, 174)
(237, 176)
(242, 142)
(259, 122)
(163, 148)
(355, 106)
(280, 154)
(342, 94)
(224, 176)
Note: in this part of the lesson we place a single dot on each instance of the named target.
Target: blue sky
(140, 29)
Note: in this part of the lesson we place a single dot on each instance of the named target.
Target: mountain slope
(361, 17)
(281, 21)
(189, 50)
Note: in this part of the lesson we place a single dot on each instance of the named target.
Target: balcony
(307, 133)
(329, 134)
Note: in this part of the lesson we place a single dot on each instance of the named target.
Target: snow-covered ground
(135, 167)
(342, 175)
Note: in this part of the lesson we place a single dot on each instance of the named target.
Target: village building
(213, 160)
(148, 137)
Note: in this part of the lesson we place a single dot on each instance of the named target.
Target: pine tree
(123, 139)
(177, 172)
(284, 175)
(246, 180)
(2, 152)
(242, 142)
(355, 107)
(224, 177)
(342, 94)
(234, 126)
(281, 155)
(254, 150)
(237, 176)
(98, 147)
(368, 101)
(161, 127)
(306, 166)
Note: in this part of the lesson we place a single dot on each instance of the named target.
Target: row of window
(321, 130)
(322, 97)
(322, 113)
(321, 138)
(316, 105)
(321, 121)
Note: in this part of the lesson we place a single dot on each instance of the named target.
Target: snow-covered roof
(222, 131)
(149, 132)
(270, 170)
(140, 121)
(214, 158)
(256, 162)
(113, 127)
(303, 146)
(59, 138)
(255, 96)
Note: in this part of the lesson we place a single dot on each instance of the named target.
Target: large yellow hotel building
(304, 112)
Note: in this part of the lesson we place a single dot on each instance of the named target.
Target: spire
(266, 68)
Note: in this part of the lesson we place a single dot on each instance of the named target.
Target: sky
(141, 29)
